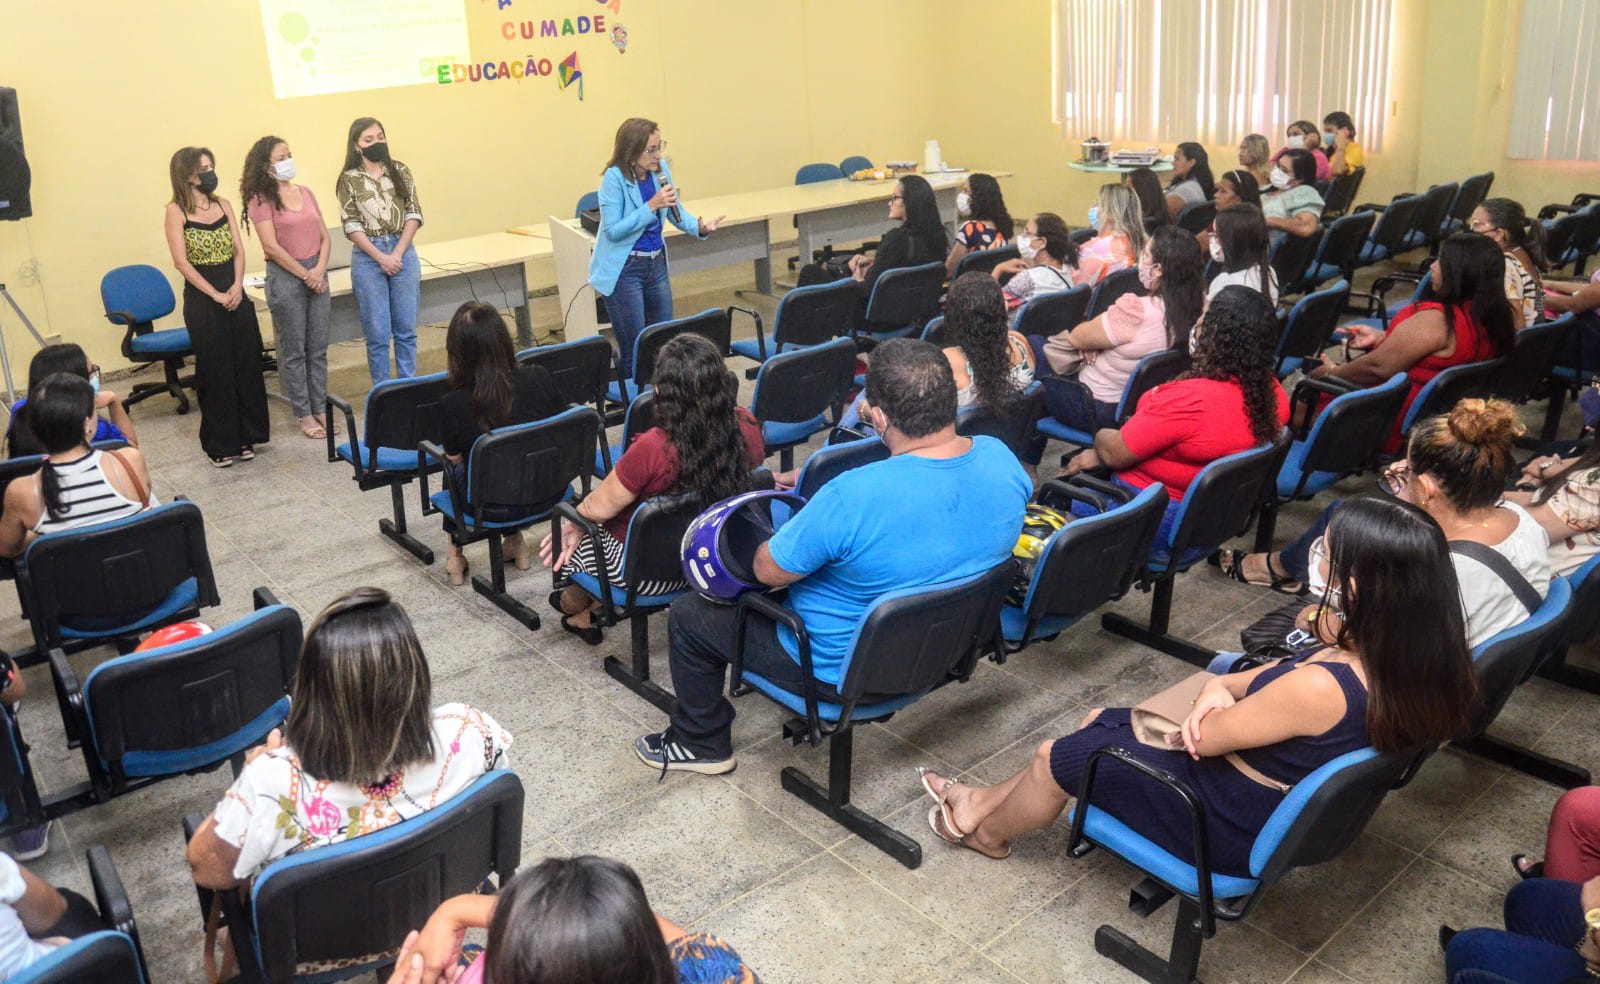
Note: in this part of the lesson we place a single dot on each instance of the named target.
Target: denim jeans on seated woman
(1544, 918)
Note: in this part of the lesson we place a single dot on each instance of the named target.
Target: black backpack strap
(1497, 562)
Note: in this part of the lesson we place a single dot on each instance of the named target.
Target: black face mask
(377, 153)
(208, 182)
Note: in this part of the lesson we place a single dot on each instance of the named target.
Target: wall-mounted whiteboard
(317, 47)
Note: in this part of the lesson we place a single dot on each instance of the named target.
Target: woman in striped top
(78, 485)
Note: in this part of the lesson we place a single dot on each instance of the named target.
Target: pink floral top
(274, 809)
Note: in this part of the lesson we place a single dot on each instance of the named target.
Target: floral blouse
(1577, 502)
(374, 205)
(274, 808)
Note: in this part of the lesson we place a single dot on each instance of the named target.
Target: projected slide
(317, 47)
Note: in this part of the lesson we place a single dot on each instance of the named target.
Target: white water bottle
(932, 157)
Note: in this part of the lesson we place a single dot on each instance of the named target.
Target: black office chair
(1469, 196)
(1309, 326)
(902, 300)
(401, 413)
(1428, 223)
(933, 332)
(806, 316)
(1089, 562)
(515, 476)
(582, 369)
(984, 260)
(1197, 218)
(1452, 386)
(136, 297)
(908, 643)
(1342, 242)
(1341, 193)
(1388, 238)
(834, 460)
(1344, 439)
(1080, 236)
(641, 416)
(1111, 287)
(1526, 373)
(1572, 232)
(1220, 504)
(109, 956)
(1014, 428)
(1582, 622)
(1291, 257)
(712, 323)
(796, 392)
(350, 904)
(1054, 313)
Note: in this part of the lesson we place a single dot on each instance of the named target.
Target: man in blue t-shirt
(940, 508)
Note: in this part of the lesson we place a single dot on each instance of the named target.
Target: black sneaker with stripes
(661, 751)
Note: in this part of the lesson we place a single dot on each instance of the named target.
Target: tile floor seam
(1317, 954)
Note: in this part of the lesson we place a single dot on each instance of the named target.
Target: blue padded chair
(1111, 287)
(184, 708)
(828, 463)
(109, 956)
(1583, 621)
(1308, 327)
(1016, 428)
(515, 476)
(353, 902)
(1451, 386)
(854, 163)
(1220, 504)
(1054, 313)
(1380, 315)
(1428, 223)
(902, 301)
(796, 392)
(908, 643)
(1469, 195)
(640, 417)
(1572, 232)
(1341, 193)
(1526, 374)
(20, 807)
(582, 369)
(1503, 663)
(1387, 238)
(1346, 438)
(933, 331)
(1091, 561)
(401, 414)
(806, 316)
(812, 173)
(984, 260)
(136, 297)
(1316, 821)
(1342, 243)
(1152, 371)
(713, 323)
(1291, 258)
(586, 201)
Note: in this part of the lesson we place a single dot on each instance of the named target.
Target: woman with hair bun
(1522, 240)
(703, 442)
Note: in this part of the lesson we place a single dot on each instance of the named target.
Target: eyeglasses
(1480, 225)
(897, 198)
(656, 151)
(1395, 478)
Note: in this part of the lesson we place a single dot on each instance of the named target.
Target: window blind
(1555, 102)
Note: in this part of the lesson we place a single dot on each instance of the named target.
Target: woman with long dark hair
(1463, 316)
(1152, 200)
(919, 238)
(294, 236)
(203, 239)
(1192, 183)
(985, 223)
(68, 357)
(381, 212)
(1241, 244)
(991, 363)
(487, 390)
(78, 486)
(1522, 240)
(1382, 678)
(629, 265)
(569, 921)
(703, 442)
(1233, 188)
(1085, 392)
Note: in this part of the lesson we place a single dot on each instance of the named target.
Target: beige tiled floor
(801, 899)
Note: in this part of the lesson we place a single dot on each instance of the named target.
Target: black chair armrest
(1371, 207)
(591, 529)
(761, 335)
(74, 714)
(128, 320)
(756, 602)
(264, 598)
(1197, 817)
(343, 406)
(1584, 198)
(1084, 488)
(109, 895)
(1551, 211)
(426, 450)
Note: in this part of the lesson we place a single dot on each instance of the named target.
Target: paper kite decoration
(568, 72)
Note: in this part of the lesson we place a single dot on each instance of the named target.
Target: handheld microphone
(677, 216)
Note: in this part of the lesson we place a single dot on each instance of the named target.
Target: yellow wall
(110, 89)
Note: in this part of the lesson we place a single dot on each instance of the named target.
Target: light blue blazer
(623, 218)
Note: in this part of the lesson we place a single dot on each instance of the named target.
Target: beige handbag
(1158, 721)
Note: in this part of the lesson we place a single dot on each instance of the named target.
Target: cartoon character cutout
(619, 38)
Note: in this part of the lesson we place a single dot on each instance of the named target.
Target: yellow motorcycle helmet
(1039, 524)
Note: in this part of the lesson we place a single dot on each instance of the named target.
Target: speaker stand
(5, 357)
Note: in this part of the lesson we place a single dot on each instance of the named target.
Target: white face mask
(1316, 581)
(1280, 178)
(963, 204)
(1027, 246)
(1216, 248)
(284, 169)
(1147, 275)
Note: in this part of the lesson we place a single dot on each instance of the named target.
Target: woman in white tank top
(78, 485)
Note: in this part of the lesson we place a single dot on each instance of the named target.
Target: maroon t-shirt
(650, 467)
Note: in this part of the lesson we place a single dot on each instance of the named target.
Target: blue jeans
(388, 307)
(642, 297)
(1296, 557)
(1544, 918)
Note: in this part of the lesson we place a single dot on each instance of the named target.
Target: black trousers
(227, 367)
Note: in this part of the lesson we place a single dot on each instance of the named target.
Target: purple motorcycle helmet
(719, 547)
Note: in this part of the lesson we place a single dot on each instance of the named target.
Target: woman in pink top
(1119, 235)
(1304, 135)
(1172, 271)
(295, 238)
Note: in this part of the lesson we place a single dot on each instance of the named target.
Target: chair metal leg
(1155, 635)
(1267, 524)
(834, 803)
(395, 529)
(1181, 964)
(1577, 677)
(637, 677)
(494, 588)
(1527, 761)
(786, 459)
(1553, 410)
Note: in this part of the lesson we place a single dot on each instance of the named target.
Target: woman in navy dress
(1381, 677)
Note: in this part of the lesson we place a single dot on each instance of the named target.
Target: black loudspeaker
(15, 178)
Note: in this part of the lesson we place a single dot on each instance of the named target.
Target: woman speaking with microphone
(629, 266)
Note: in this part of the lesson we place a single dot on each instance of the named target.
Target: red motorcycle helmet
(174, 633)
